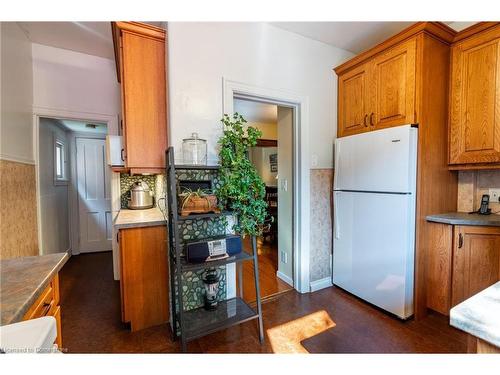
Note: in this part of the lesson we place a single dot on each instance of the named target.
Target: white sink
(29, 336)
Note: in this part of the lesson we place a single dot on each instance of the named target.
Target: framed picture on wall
(273, 163)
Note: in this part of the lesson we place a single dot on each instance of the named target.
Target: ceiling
(256, 111)
(81, 127)
(94, 38)
(355, 37)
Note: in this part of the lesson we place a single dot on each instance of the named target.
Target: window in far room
(60, 162)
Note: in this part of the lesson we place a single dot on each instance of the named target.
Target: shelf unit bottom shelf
(200, 322)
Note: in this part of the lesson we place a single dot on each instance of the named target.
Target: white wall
(16, 95)
(54, 219)
(253, 53)
(73, 81)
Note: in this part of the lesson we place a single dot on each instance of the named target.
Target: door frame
(60, 114)
(301, 173)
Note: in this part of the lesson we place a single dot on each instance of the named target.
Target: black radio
(215, 248)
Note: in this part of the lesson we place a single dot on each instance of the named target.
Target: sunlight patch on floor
(287, 337)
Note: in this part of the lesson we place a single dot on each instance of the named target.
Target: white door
(94, 196)
(374, 248)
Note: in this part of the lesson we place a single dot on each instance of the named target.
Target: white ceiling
(81, 127)
(94, 38)
(256, 111)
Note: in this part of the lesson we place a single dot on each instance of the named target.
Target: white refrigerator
(374, 217)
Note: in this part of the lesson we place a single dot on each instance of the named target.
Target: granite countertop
(139, 218)
(22, 282)
(464, 218)
(480, 315)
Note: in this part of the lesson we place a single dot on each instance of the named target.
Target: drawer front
(43, 304)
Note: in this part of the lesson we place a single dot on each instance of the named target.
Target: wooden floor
(327, 321)
(269, 283)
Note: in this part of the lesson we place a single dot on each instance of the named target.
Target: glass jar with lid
(194, 150)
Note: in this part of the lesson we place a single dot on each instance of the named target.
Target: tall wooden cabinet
(405, 80)
(475, 100)
(140, 53)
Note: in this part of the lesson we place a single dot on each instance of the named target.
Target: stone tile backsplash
(471, 187)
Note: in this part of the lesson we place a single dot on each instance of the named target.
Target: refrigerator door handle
(336, 225)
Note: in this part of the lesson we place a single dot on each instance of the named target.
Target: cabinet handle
(122, 154)
(371, 119)
(364, 120)
(46, 309)
(460, 240)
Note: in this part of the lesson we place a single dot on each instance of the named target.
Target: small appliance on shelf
(194, 150)
(215, 248)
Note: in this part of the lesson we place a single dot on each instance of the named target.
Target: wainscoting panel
(321, 224)
(18, 216)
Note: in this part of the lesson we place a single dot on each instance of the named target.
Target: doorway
(73, 186)
(272, 158)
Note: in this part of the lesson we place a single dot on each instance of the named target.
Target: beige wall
(285, 197)
(269, 131)
(260, 159)
(472, 185)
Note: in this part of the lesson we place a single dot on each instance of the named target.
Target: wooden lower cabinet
(461, 261)
(144, 276)
(48, 305)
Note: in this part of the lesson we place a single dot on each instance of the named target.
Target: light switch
(314, 160)
(284, 185)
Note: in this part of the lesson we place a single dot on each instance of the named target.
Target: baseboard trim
(285, 278)
(321, 284)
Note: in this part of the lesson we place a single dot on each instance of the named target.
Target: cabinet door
(476, 260)
(353, 102)
(144, 101)
(475, 101)
(392, 87)
(144, 278)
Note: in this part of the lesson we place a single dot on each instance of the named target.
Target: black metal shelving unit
(199, 322)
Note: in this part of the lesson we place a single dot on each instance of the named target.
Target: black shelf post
(198, 322)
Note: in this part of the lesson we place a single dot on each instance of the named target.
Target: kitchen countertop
(479, 315)
(139, 218)
(464, 218)
(22, 282)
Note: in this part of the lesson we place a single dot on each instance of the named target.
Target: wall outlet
(284, 185)
(495, 195)
(284, 257)
(314, 160)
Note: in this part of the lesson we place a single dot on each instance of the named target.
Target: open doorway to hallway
(273, 160)
(73, 186)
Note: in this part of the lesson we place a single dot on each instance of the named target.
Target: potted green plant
(241, 189)
(197, 201)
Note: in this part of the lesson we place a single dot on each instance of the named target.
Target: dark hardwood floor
(270, 284)
(327, 321)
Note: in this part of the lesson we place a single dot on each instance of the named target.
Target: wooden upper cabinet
(393, 86)
(141, 63)
(476, 261)
(379, 93)
(353, 102)
(475, 99)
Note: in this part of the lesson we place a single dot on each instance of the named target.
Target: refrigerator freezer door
(374, 248)
(377, 161)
